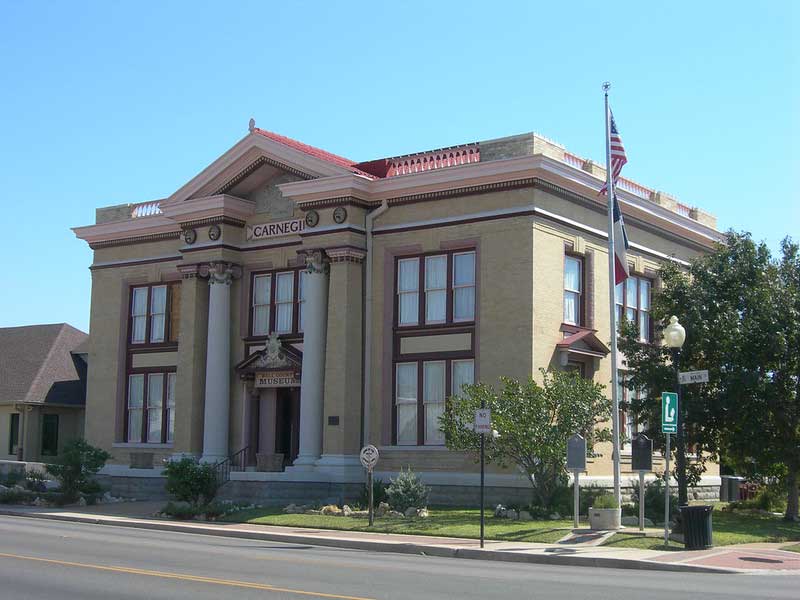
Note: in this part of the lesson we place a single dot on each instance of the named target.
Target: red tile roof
(335, 159)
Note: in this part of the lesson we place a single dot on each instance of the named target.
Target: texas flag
(621, 246)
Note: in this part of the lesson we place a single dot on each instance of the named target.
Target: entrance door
(287, 418)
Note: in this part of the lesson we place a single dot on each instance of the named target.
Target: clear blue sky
(112, 102)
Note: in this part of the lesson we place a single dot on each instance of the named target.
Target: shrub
(406, 490)
(76, 467)
(12, 478)
(378, 494)
(563, 500)
(605, 501)
(181, 511)
(17, 497)
(654, 501)
(35, 480)
(768, 498)
(191, 481)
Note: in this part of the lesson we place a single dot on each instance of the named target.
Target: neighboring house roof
(37, 365)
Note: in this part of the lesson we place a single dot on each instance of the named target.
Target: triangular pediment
(255, 160)
(275, 356)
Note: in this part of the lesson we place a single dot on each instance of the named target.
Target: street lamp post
(675, 336)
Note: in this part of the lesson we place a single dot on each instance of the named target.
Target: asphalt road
(58, 560)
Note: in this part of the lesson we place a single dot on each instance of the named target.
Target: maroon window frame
(272, 305)
(449, 321)
(165, 371)
(448, 384)
(623, 308)
(167, 343)
(582, 300)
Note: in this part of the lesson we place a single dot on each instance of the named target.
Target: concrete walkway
(581, 550)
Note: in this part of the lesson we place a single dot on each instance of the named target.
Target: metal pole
(483, 436)
(641, 500)
(666, 496)
(577, 498)
(371, 499)
(683, 494)
(612, 305)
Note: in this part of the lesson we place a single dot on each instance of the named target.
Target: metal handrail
(235, 462)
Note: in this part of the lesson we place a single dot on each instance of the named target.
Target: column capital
(220, 272)
(317, 260)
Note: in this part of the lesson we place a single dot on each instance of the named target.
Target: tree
(741, 311)
(533, 423)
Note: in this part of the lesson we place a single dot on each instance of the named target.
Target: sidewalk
(753, 558)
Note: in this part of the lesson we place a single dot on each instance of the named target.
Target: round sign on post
(369, 457)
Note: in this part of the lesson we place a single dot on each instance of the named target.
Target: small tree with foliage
(191, 481)
(76, 467)
(533, 423)
(406, 490)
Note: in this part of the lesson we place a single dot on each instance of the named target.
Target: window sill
(169, 347)
(434, 326)
(142, 445)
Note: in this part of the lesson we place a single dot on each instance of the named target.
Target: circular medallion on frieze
(214, 232)
(339, 214)
(312, 218)
(190, 236)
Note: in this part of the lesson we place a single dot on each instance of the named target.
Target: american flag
(618, 158)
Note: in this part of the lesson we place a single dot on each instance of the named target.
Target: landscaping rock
(382, 509)
(395, 514)
(3, 488)
(555, 516)
(19, 488)
(312, 511)
(524, 515)
(360, 513)
(81, 501)
(422, 513)
(512, 514)
(346, 511)
(51, 485)
(331, 509)
(411, 512)
(630, 521)
(291, 509)
(39, 502)
(500, 511)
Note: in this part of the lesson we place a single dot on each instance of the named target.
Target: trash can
(696, 522)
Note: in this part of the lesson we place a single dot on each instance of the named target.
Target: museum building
(287, 305)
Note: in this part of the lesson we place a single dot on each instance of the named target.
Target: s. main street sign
(693, 377)
(669, 412)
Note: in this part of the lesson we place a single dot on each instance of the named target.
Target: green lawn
(737, 527)
(447, 522)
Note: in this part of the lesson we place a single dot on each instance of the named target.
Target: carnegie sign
(273, 379)
(270, 230)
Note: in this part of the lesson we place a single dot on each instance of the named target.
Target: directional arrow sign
(693, 377)
(669, 412)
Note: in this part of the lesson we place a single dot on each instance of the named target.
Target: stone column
(315, 320)
(216, 415)
(343, 372)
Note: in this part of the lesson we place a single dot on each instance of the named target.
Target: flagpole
(612, 305)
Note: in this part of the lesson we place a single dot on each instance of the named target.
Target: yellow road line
(197, 578)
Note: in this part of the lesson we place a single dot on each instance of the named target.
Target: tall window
(433, 378)
(406, 401)
(464, 286)
(631, 424)
(421, 390)
(301, 299)
(448, 289)
(633, 302)
(573, 290)
(155, 313)
(151, 407)
(262, 286)
(435, 289)
(408, 291)
(284, 302)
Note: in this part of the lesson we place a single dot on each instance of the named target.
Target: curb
(379, 546)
